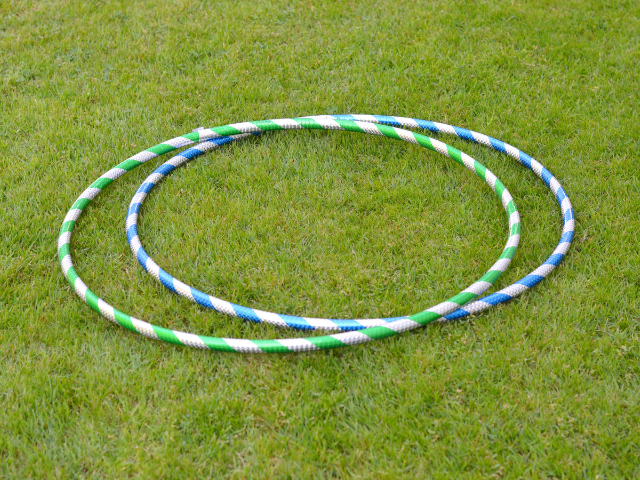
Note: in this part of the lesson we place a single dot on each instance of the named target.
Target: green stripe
(423, 141)
(388, 131)
(499, 188)
(72, 276)
(67, 226)
(92, 300)
(455, 154)
(349, 126)
(193, 136)
(63, 251)
(166, 335)
(217, 344)
(377, 333)
(508, 252)
(267, 125)
(161, 149)
(511, 207)
(226, 130)
(271, 346)
(129, 165)
(515, 229)
(81, 203)
(462, 298)
(309, 123)
(480, 169)
(101, 183)
(491, 276)
(424, 317)
(124, 320)
(326, 342)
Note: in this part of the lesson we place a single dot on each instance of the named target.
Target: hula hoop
(221, 135)
(292, 321)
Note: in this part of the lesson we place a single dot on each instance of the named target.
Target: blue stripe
(525, 159)
(165, 169)
(142, 257)
(496, 298)
(464, 133)
(554, 259)
(246, 313)
(560, 195)
(132, 231)
(167, 280)
(393, 319)
(387, 120)
(546, 176)
(348, 325)
(568, 215)
(498, 144)
(344, 117)
(530, 280)
(456, 314)
(566, 237)
(296, 322)
(146, 187)
(134, 208)
(202, 298)
(427, 125)
(191, 153)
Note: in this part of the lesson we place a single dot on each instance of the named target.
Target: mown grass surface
(327, 224)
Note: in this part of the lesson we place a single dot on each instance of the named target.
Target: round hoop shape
(450, 309)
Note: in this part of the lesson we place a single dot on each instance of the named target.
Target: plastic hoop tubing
(474, 307)
(281, 320)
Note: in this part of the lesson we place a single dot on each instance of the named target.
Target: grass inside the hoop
(324, 224)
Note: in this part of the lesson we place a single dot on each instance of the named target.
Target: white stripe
(506, 198)
(138, 198)
(153, 268)
(322, 323)
(468, 162)
(297, 344)
(143, 156)
(400, 326)
(90, 193)
(81, 289)
(513, 290)
(132, 220)
(106, 310)
(352, 338)
(501, 264)
(183, 289)
(63, 239)
(190, 339)
(440, 147)
(554, 185)
(444, 308)
(445, 128)
(569, 226)
(407, 122)
(73, 214)
(369, 128)
(177, 161)
(512, 151)
(241, 345)
(366, 118)
(565, 205)
(144, 328)
(478, 287)
(562, 248)
(405, 135)
(287, 123)
(245, 127)
(135, 245)
(329, 123)
(154, 178)
(66, 264)
(514, 218)
(536, 167)
(114, 173)
(222, 306)
(178, 142)
(491, 179)
(271, 318)
(482, 139)
(543, 270)
(513, 241)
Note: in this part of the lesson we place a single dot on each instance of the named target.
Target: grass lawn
(326, 224)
